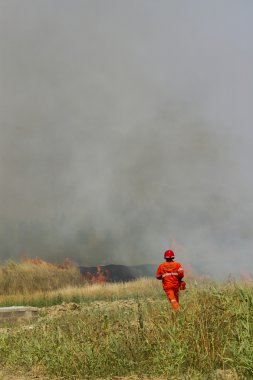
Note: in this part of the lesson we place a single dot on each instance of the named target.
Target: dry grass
(85, 292)
(33, 276)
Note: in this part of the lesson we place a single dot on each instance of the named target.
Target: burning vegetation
(67, 264)
(37, 275)
(100, 277)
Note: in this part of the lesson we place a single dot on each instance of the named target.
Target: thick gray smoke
(126, 125)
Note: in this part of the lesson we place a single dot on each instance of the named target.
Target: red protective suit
(171, 273)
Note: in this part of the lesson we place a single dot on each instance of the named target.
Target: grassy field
(35, 275)
(129, 331)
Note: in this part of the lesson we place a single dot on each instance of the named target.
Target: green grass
(136, 333)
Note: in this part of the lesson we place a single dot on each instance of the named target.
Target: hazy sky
(126, 125)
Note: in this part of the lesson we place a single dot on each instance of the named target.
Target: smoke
(125, 125)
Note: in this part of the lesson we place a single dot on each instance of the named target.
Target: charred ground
(118, 273)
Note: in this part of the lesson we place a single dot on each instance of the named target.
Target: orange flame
(180, 249)
(101, 277)
(246, 277)
(67, 264)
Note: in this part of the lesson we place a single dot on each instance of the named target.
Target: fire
(246, 277)
(67, 264)
(101, 276)
(175, 246)
(179, 248)
(189, 271)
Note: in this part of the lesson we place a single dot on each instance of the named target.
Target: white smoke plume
(126, 124)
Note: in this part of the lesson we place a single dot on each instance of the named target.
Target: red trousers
(172, 294)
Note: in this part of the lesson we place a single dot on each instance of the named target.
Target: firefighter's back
(169, 272)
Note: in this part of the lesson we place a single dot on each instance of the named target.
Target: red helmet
(169, 254)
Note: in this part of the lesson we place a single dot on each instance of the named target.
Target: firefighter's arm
(180, 272)
(182, 284)
(158, 274)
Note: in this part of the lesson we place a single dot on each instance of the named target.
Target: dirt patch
(19, 376)
(72, 307)
(227, 374)
(59, 310)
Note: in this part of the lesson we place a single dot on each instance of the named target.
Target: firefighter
(171, 274)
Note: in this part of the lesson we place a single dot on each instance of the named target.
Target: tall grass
(130, 329)
(86, 293)
(33, 275)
